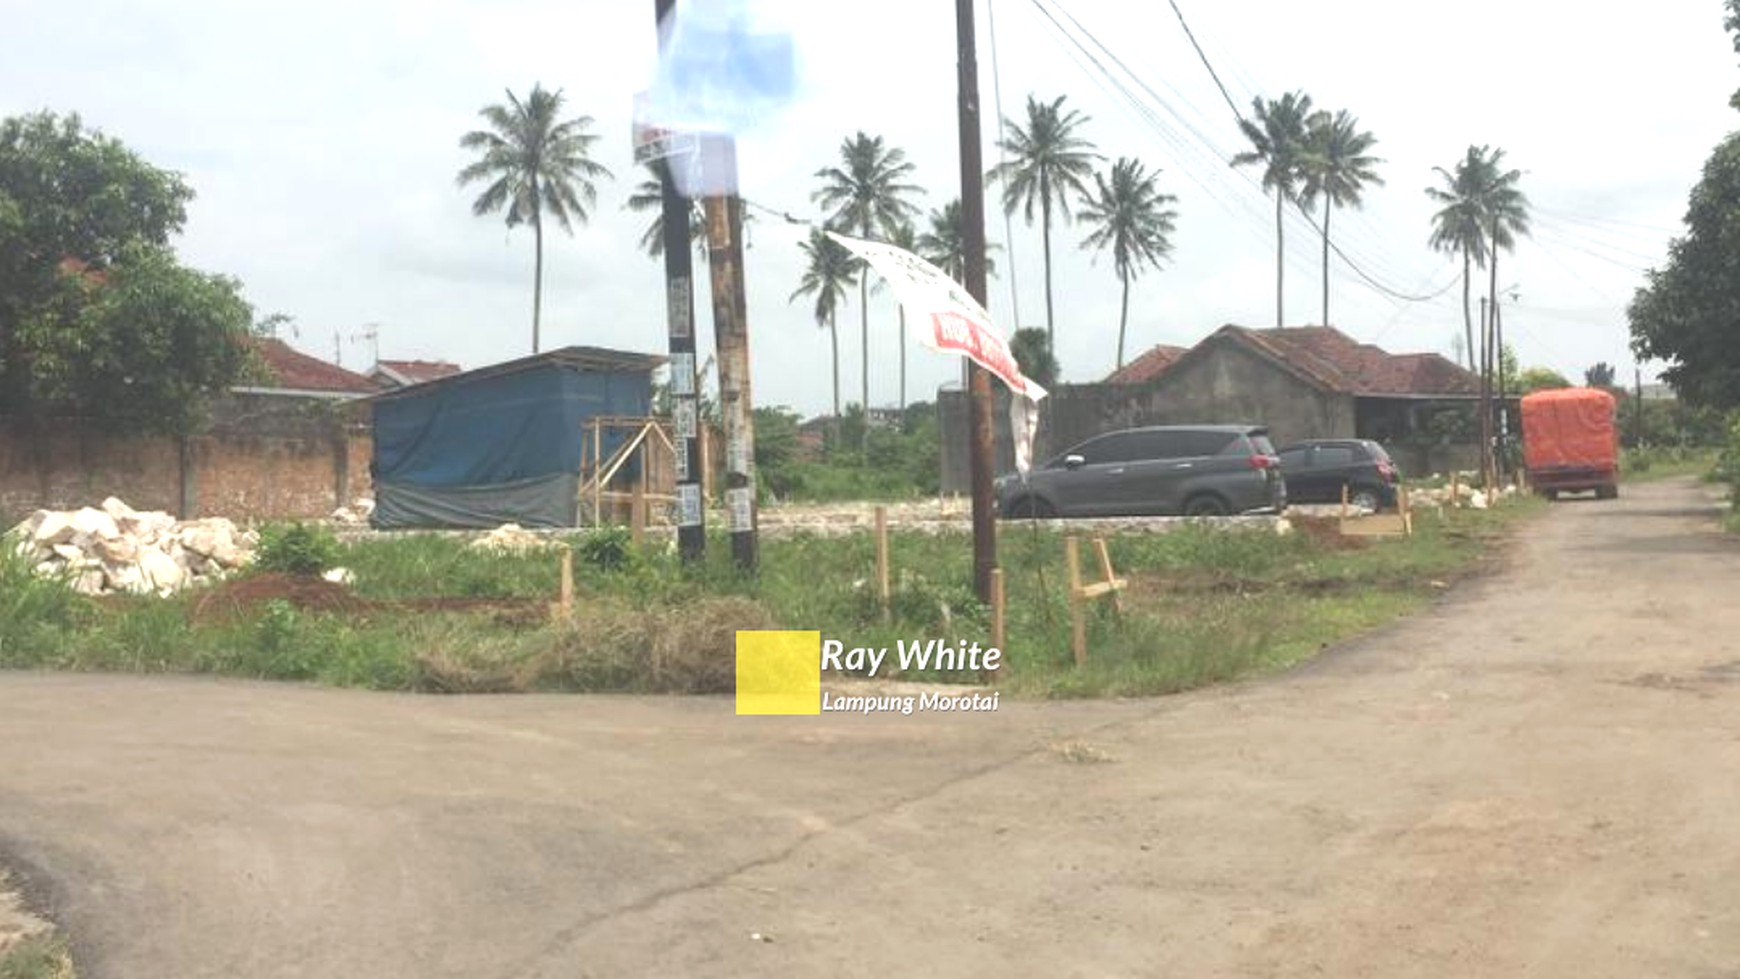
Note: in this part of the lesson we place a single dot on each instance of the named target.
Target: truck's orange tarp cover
(1569, 427)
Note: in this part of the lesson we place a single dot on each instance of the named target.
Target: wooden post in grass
(637, 515)
(882, 592)
(564, 608)
(997, 609)
(1080, 593)
(1405, 506)
(1455, 489)
(1344, 501)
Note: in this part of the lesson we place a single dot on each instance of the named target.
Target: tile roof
(1336, 361)
(414, 371)
(294, 370)
(1147, 366)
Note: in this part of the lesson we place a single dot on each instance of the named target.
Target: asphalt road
(1536, 777)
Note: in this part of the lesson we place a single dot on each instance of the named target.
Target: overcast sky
(321, 139)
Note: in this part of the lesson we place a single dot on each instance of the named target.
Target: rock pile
(116, 548)
(510, 538)
(357, 514)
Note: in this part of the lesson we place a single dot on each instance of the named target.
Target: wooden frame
(597, 475)
(1079, 594)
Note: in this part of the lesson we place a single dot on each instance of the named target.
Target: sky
(321, 139)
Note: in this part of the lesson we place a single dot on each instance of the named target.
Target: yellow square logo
(779, 672)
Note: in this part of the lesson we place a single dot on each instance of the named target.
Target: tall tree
(1337, 167)
(1599, 375)
(1031, 349)
(944, 243)
(1468, 194)
(868, 194)
(904, 236)
(1047, 164)
(1278, 142)
(1134, 221)
(829, 270)
(533, 162)
(648, 195)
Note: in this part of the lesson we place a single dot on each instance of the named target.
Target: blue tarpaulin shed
(500, 444)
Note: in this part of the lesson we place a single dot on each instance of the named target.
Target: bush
(608, 548)
(296, 549)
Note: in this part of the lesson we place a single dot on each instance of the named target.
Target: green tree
(1278, 145)
(1047, 165)
(1533, 379)
(1480, 211)
(1031, 348)
(1337, 165)
(944, 243)
(649, 195)
(829, 270)
(1134, 221)
(1600, 375)
(533, 162)
(868, 195)
(776, 449)
(97, 318)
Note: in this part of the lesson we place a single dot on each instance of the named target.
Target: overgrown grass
(1666, 462)
(1205, 605)
(41, 957)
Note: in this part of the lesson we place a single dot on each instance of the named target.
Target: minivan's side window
(1334, 455)
(1204, 443)
(1293, 458)
(1119, 447)
(1159, 445)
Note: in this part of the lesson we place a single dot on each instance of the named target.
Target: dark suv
(1317, 469)
(1195, 470)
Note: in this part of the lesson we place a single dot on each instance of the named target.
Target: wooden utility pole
(980, 450)
(724, 213)
(1503, 408)
(680, 328)
(1485, 404)
(1637, 413)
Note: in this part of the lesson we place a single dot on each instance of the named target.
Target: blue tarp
(463, 442)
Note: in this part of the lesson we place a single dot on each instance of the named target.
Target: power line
(1008, 225)
(1204, 58)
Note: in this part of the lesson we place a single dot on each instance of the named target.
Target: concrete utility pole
(680, 328)
(980, 453)
(731, 341)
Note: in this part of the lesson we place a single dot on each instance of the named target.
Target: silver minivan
(1168, 470)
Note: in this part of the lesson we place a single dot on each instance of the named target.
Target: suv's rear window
(1262, 445)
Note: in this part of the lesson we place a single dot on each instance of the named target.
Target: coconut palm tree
(829, 271)
(867, 195)
(903, 236)
(1277, 136)
(1337, 167)
(649, 195)
(1047, 164)
(944, 245)
(1133, 220)
(534, 162)
(1476, 198)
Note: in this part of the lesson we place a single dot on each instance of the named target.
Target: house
(1301, 382)
(513, 442)
(392, 374)
(290, 373)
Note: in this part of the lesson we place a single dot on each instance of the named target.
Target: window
(1293, 458)
(1118, 447)
(1329, 456)
(1191, 444)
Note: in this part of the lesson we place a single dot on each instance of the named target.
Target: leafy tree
(944, 244)
(869, 195)
(1031, 347)
(829, 270)
(1133, 220)
(1600, 375)
(1534, 379)
(1686, 313)
(97, 318)
(534, 162)
(1278, 144)
(1047, 164)
(1477, 199)
(1336, 166)
(776, 449)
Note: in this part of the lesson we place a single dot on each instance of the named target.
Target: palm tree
(945, 244)
(1278, 143)
(903, 236)
(534, 162)
(1476, 198)
(868, 194)
(1132, 219)
(1337, 168)
(1047, 162)
(649, 195)
(828, 272)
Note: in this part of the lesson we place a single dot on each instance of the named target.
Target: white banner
(943, 316)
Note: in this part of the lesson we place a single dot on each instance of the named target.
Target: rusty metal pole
(680, 328)
(731, 342)
(981, 457)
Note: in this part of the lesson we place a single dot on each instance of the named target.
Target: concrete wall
(261, 458)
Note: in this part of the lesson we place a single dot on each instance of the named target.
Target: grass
(1205, 606)
(42, 957)
(1665, 462)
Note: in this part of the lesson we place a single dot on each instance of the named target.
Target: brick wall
(261, 458)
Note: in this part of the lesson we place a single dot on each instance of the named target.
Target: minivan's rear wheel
(1206, 505)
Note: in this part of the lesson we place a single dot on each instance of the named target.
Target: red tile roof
(1338, 362)
(295, 370)
(414, 371)
(1146, 367)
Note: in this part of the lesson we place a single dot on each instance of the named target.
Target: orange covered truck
(1570, 442)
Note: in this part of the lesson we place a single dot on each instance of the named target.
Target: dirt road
(1535, 778)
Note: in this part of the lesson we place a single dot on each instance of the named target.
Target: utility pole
(1503, 409)
(1637, 413)
(724, 212)
(980, 452)
(1485, 394)
(680, 330)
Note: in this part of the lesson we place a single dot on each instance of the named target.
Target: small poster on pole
(740, 503)
(689, 505)
(685, 418)
(681, 450)
(683, 375)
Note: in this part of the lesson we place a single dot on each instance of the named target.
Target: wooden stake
(997, 609)
(1077, 618)
(882, 559)
(637, 504)
(564, 610)
(1344, 501)
(1106, 570)
(1455, 487)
